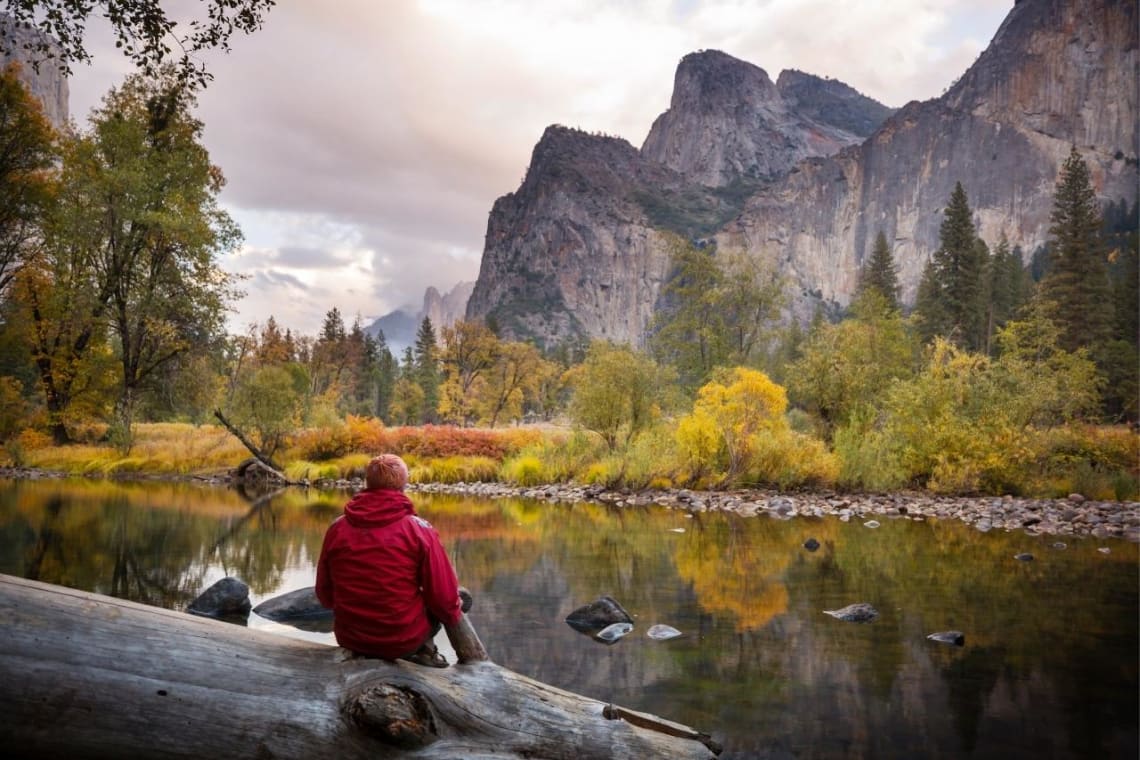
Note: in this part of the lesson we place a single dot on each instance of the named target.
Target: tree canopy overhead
(150, 35)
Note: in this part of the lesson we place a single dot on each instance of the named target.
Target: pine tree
(879, 273)
(958, 272)
(1007, 287)
(1075, 289)
(427, 369)
(928, 307)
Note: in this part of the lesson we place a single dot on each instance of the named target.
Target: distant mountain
(400, 326)
(806, 171)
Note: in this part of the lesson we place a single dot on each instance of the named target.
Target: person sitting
(384, 573)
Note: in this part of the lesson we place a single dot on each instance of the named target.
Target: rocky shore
(1072, 516)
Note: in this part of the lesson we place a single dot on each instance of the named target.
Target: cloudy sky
(364, 141)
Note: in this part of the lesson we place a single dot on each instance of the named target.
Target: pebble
(1052, 517)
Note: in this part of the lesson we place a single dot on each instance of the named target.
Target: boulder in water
(860, 612)
(956, 638)
(612, 633)
(661, 632)
(597, 615)
(228, 598)
(301, 604)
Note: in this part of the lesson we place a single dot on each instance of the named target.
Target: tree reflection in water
(1049, 666)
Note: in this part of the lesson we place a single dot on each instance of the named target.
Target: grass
(1100, 463)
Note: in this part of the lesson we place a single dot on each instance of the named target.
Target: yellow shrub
(522, 470)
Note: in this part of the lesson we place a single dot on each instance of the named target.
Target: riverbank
(1073, 516)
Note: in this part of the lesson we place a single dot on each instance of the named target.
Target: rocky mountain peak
(728, 122)
(831, 102)
(805, 172)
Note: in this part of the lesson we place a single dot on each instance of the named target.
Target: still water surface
(1049, 668)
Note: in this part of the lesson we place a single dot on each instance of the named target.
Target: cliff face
(727, 121)
(571, 252)
(1058, 73)
(782, 171)
(49, 84)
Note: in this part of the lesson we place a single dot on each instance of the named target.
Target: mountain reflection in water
(1049, 665)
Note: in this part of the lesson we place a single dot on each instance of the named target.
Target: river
(1048, 668)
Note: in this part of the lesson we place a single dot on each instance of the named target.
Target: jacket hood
(377, 508)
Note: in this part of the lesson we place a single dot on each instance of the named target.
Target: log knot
(395, 715)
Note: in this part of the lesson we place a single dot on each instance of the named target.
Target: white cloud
(365, 142)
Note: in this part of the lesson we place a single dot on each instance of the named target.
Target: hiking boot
(427, 655)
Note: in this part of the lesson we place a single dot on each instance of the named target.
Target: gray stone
(598, 614)
(860, 612)
(955, 638)
(811, 544)
(661, 632)
(227, 598)
(612, 633)
(301, 604)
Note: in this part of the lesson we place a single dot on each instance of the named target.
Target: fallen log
(89, 676)
(258, 454)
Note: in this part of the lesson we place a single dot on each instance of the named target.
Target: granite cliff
(20, 45)
(806, 171)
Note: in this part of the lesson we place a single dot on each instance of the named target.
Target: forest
(1013, 372)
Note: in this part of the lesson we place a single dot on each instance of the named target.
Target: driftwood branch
(254, 450)
(84, 675)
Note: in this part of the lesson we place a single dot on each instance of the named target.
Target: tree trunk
(257, 453)
(89, 676)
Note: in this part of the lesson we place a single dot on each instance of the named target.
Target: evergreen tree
(387, 369)
(879, 273)
(960, 265)
(1075, 289)
(930, 312)
(955, 284)
(1007, 288)
(427, 369)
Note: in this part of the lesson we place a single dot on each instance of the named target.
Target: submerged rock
(1024, 556)
(871, 524)
(596, 615)
(955, 638)
(612, 633)
(811, 544)
(661, 632)
(228, 598)
(860, 612)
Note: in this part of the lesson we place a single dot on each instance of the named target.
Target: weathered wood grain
(90, 676)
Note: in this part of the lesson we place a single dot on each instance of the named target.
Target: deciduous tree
(615, 392)
(145, 31)
(27, 155)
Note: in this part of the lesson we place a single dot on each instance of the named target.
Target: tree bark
(89, 676)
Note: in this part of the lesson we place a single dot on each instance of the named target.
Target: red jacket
(382, 571)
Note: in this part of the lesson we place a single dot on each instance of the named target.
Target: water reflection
(1049, 667)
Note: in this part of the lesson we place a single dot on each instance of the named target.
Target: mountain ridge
(582, 251)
